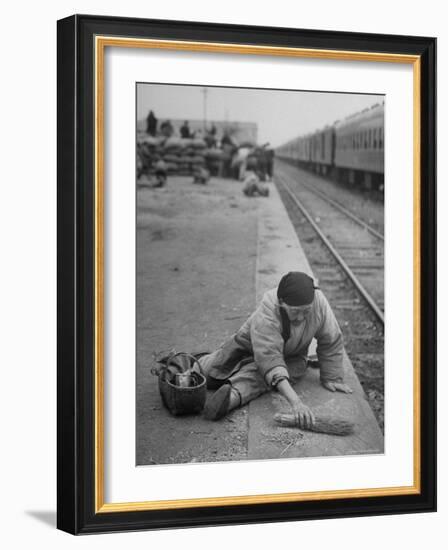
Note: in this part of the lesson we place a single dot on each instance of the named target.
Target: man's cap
(296, 289)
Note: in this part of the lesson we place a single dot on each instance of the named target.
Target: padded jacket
(262, 336)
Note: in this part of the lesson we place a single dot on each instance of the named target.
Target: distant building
(240, 131)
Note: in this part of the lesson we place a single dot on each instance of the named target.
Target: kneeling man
(270, 350)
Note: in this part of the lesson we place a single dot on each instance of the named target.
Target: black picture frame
(76, 509)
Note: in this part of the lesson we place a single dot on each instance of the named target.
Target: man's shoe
(217, 405)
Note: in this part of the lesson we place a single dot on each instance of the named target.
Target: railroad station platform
(205, 256)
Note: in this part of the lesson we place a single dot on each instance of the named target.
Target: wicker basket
(181, 400)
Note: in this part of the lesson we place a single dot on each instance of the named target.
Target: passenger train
(351, 150)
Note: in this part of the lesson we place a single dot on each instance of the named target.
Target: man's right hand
(303, 414)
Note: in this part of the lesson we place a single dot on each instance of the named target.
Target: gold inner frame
(101, 42)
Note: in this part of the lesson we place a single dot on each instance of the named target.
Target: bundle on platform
(322, 424)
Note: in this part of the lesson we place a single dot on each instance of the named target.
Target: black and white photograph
(221, 260)
(259, 274)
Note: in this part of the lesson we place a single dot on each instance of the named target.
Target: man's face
(297, 314)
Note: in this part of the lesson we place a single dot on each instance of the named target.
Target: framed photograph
(246, 274)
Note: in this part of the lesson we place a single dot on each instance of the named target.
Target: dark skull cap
(296, 289)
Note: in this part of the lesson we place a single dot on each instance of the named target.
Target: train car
(289, 151)
(351, 150)
(359, 148)
(313, 151)
(305, 151)
(322, 150)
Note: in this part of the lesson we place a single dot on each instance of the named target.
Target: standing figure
(239, 162)
(270, 161)
(270, 350)
(151, 124)
(185, 130)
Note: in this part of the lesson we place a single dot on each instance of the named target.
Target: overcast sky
(280, 115)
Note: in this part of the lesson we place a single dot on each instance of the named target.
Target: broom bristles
(322, 424)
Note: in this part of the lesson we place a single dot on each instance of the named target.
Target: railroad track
(363, 204)
(354, 245)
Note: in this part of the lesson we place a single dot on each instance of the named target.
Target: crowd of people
(167, 130)
(250, 163)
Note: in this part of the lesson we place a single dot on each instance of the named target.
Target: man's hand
(337, 386)
(304, 415)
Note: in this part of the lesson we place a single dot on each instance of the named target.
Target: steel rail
(370, 301)
(343, 210)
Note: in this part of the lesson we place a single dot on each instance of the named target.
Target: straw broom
(322, 424)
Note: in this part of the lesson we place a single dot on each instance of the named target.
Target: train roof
(355, 119)
(367, 114)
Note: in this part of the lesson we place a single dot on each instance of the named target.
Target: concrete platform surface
(205, 256)
(196, 256)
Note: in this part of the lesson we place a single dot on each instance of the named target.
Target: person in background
(228, 149)
(161, 172)
(269, 152)
(270, 350)
(185, 130)
(227, 140)
(210, 139)
(151, 124)
(167, 129)
(253, 187)
(239, 162)
(201, 175)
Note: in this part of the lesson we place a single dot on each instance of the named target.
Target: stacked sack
(182, 156)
